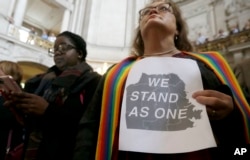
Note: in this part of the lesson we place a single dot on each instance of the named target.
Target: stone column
(11, 8)
(75, 14)
(213, 28)
(65, 21)
(81, 17)
(19, 12)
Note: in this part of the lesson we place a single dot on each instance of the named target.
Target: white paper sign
(158, 112)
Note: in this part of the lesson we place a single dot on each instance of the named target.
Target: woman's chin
(60, 67)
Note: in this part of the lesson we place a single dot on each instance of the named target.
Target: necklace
(165, 53)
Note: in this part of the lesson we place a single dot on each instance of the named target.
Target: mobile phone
(8, 84)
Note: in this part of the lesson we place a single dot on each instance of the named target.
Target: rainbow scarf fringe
(111, 101)
(223, 71)
(112, 98)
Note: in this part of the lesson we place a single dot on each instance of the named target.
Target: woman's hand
(29, 103)
(11, 106)
(218, 104)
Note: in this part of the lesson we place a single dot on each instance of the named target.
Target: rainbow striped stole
(223, 71)
(111, 101)
(112, 97)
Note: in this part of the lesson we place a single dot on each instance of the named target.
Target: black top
(59, 123)
(8, 122)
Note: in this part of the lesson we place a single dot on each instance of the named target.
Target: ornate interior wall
(108, 28)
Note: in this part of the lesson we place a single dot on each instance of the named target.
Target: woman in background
(57, 100)
(9, 121)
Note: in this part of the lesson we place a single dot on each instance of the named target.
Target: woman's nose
(57, 52)
(153, 10)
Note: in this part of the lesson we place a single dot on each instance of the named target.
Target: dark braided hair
(78, 41)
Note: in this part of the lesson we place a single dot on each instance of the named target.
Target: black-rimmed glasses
(161, 8)
(62, 48)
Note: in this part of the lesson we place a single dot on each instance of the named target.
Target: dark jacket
(228, 132)
(8, 122)
(59, 123)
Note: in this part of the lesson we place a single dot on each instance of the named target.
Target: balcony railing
(24, 36)
(224, 43)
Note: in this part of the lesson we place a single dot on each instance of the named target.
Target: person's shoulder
(32, 83)
(240, 66)
(204, 57)
(35, 78)
(246, 61)
(95, 75)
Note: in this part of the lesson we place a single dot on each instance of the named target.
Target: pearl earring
(176, 37)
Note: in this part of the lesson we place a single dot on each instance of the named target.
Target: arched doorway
(30, 69)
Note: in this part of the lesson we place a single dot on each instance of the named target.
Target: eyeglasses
(62, 48)
(161, 8)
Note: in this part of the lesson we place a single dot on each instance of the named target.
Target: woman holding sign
(178, 107)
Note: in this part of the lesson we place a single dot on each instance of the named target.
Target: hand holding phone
(7, 85)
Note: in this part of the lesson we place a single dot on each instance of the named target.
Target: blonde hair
(13, 69)
(181, 41)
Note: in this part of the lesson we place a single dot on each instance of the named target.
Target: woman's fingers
(218, 104)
